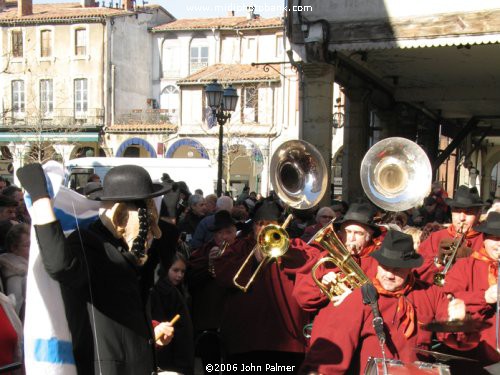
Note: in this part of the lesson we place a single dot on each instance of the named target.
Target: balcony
(60, 119)
(143, 121)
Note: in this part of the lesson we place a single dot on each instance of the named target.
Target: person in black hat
(475, 280)
(208, 296)
(404, 302)
(264, 324)
(100, 273)
(360, 237)
(465, 211)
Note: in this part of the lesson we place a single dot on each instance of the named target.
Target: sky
(207, 8)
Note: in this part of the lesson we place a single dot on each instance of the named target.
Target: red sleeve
(333, 345)
(428, 269)
(197, 272)
(231, 261)
(305, 291)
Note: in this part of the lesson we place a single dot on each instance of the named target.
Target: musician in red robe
(360, 236)
(465, 211)
(343, 337)
(264, 324)
(474, 279)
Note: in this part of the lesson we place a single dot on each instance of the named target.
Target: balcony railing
(145, 117)
(59, 118)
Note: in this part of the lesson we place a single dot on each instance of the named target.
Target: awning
(49, 137)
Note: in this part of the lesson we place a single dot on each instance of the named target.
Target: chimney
(2, 5)
(24, 8)
(230, 13)
(250, 12)
(129, 5)
(88, 3)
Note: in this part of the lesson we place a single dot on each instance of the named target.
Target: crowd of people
(125, 278)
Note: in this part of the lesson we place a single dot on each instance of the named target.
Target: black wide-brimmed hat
(397, 251)
(361, 214)
(222, 220)
(464, 198)
(129, 183)
(267, 210)
(491, 225)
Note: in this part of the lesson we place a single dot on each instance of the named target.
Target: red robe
(429, 250)
(343, 337)
(307, 293)
(208, 297)
(468, 280)
(266, 317)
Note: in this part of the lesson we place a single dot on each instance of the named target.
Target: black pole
(219, 173)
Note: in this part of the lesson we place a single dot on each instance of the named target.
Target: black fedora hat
(267, 210)
(222, 220)
(397, 251)
(491, 225)
(464, 198)
(129, 183)
(360, 213)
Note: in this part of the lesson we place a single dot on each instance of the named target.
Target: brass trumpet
(351, 275)
(439, 278)
(222, 248)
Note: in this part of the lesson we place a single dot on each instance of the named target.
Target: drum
(394, 367)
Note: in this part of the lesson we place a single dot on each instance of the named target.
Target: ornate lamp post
(222, 102)
(17, 150)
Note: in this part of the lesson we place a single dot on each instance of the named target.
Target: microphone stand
(497, 313)
(370, 297)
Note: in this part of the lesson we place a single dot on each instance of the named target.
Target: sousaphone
(396, 174)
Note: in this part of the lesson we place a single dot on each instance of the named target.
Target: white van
(196, 173)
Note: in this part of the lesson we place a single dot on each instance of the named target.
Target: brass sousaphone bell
(396, 174)
(299, 177)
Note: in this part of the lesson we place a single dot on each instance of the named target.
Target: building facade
(68, 70)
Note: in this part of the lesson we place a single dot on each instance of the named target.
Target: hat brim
(399, 263)
(376, 229)
(158, 189)
(454, 204)
(215, 228)
(483, 228)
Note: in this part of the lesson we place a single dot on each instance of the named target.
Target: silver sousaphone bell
(396, 174)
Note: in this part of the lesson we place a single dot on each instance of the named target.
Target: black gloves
(33, 181)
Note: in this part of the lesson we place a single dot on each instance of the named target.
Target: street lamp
(222, 102)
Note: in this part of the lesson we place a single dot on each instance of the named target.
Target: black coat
(166, 302)
(102, 293)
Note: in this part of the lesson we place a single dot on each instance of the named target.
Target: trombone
(439, 278)
(299, 177)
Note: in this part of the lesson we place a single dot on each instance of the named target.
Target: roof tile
(220, 23)
(62, 11)
(232, 73)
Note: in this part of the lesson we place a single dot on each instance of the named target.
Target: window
(249, 107)
(198, 58)
(17, 97)
(80, 97)
(46, 97)
(46, 43)
(17, 44)
(80, 42)
(279, 45)
(169, 101)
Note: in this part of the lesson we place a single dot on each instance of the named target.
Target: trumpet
(448, 260)
(222, 248)
(351, 275)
